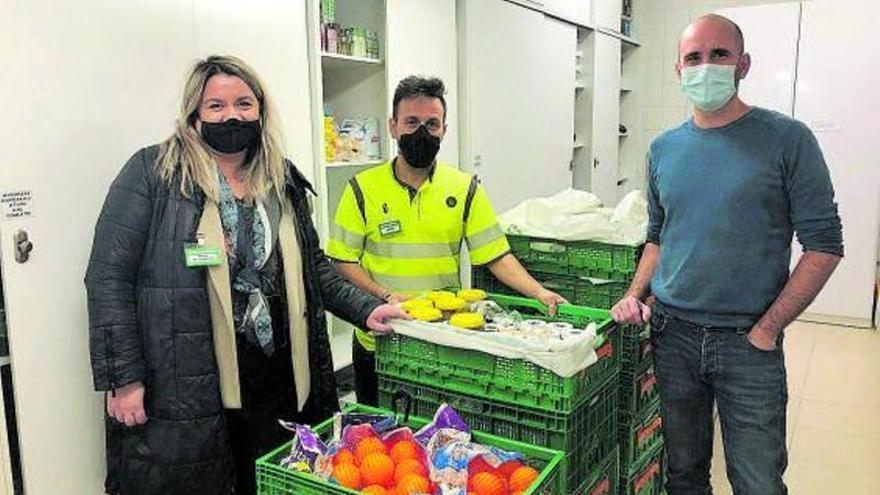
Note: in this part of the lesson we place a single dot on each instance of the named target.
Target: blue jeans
(697, 366)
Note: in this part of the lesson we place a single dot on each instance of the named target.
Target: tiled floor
(833, 412)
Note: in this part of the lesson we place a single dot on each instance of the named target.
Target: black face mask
(232, 136)
(419, 148)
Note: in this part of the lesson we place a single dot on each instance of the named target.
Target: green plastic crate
(639, 391)
(512, 381)
(635, 347)
(586, 436)
(605, 478)
(540, 255)
(639, 437)
(577, 290)
(648, 477)
(581, 258)
(272, 479)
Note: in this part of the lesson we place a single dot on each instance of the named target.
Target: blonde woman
(207, 290)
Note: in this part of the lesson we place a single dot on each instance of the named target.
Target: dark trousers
(366, 382)
(699, 366)
(253, 432)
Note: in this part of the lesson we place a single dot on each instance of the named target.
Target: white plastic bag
(574, 215)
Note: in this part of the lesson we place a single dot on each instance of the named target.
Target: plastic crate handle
(646, 432)
(648, 383)
(653, 470)
(606, 349)
(522, 303)
(602, 488)
(407, 398)
(547, 247)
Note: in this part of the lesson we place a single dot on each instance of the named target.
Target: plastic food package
(305, 450)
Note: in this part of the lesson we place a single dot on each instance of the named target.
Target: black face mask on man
(231, 136)
(419, 148)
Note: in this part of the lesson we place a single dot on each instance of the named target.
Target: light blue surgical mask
(709, 86)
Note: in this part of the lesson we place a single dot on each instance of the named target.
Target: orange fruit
(487, 484)
(377, 469)
(347, 475)
(522, 478)
(507, 468)
(344, 456)
(369, 445)
(479, 465)
(413, 483)
(374, 490)
(409, 466)
(405, 449)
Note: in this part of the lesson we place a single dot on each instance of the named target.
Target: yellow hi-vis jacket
(409, 240)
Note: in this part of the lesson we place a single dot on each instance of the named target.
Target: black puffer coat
(149, 321)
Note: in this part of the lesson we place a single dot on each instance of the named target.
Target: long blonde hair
(185, 151)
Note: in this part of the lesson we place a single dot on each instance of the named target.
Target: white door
(837, 97)
(421, 39)
(606, 118)
(518, 98)
(87, 83)
(771, 38)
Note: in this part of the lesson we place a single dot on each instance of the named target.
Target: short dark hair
(416, 86)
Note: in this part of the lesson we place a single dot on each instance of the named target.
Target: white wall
(426, 48)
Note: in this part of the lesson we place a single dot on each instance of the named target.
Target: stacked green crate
(515, 381)
(646, 477)
(605, 478)
(586, 273)
(586, 435)
(581, 291)
(513, 397)
(640, 425)
(582, 258)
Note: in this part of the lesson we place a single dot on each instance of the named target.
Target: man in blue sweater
(726, 191)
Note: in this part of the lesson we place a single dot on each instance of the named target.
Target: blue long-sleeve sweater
(723, 204)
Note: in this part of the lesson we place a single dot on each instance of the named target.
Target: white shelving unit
(583, 110)
(329, 58)
(630, 154)
(344, 86)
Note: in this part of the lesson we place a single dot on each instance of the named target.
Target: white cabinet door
(519, 95)
(421, 39)
(836, 96)
(89, 83)
(606, 13)
(771, 36)
(606, 118)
